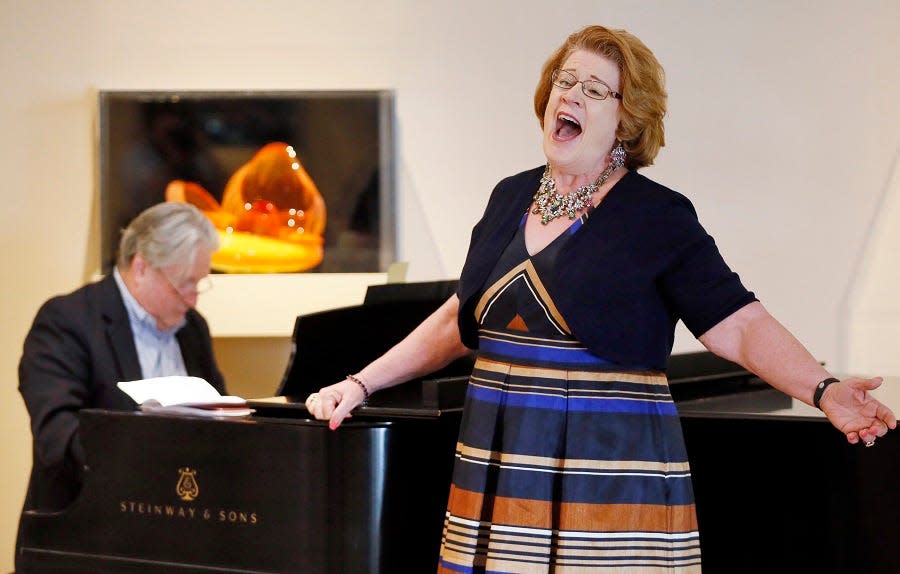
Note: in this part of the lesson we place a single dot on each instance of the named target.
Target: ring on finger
(312, 398)
(870, 442)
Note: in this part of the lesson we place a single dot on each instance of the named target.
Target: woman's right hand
(430, 346)
(334, 403)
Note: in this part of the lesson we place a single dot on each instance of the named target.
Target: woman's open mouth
(567, 128)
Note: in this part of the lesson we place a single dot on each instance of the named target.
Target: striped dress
(565, 463)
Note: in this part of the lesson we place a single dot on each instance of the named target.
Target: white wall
(783, 128)
(872, 304)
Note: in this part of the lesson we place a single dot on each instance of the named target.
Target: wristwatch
(820, 390)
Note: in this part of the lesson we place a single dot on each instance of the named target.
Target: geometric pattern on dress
(517, 324)
(525, 275)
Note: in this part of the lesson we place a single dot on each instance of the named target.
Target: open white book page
(202, 411)
(183, 394)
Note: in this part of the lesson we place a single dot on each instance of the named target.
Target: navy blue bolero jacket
(640, 263)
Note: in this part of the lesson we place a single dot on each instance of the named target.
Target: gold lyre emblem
(187, 487)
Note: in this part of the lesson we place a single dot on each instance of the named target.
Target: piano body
(777, 488)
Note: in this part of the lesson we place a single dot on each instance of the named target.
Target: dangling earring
(617, 155)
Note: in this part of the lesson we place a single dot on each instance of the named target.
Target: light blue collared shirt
(158, 351)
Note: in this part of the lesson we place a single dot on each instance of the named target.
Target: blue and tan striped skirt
(567, 465)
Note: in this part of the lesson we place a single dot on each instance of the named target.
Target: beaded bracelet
(362, 385)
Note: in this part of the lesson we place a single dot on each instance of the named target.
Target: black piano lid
(704, 374)
(434, 291)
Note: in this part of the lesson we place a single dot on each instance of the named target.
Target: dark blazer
(641, 262)
(79, 346)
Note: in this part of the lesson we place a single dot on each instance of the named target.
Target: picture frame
(343, 139)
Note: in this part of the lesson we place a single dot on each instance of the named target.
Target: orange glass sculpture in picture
(272, 216)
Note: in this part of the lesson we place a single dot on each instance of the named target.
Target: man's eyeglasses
(594, 89)
(187, 288)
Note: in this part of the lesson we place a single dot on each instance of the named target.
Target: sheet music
(185, 395)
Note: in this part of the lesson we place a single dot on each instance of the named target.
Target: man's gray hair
(168, 233)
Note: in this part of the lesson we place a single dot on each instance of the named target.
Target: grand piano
(777, 488)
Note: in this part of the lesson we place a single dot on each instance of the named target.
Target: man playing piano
(137, 322)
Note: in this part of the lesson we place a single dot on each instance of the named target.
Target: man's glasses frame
(188, 288)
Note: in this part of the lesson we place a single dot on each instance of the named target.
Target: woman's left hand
(855, 412)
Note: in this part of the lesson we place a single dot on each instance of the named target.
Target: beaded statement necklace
(550, 204)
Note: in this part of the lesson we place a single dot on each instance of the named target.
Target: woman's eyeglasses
(594, 89)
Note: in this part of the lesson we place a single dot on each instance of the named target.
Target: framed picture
(207, 148)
